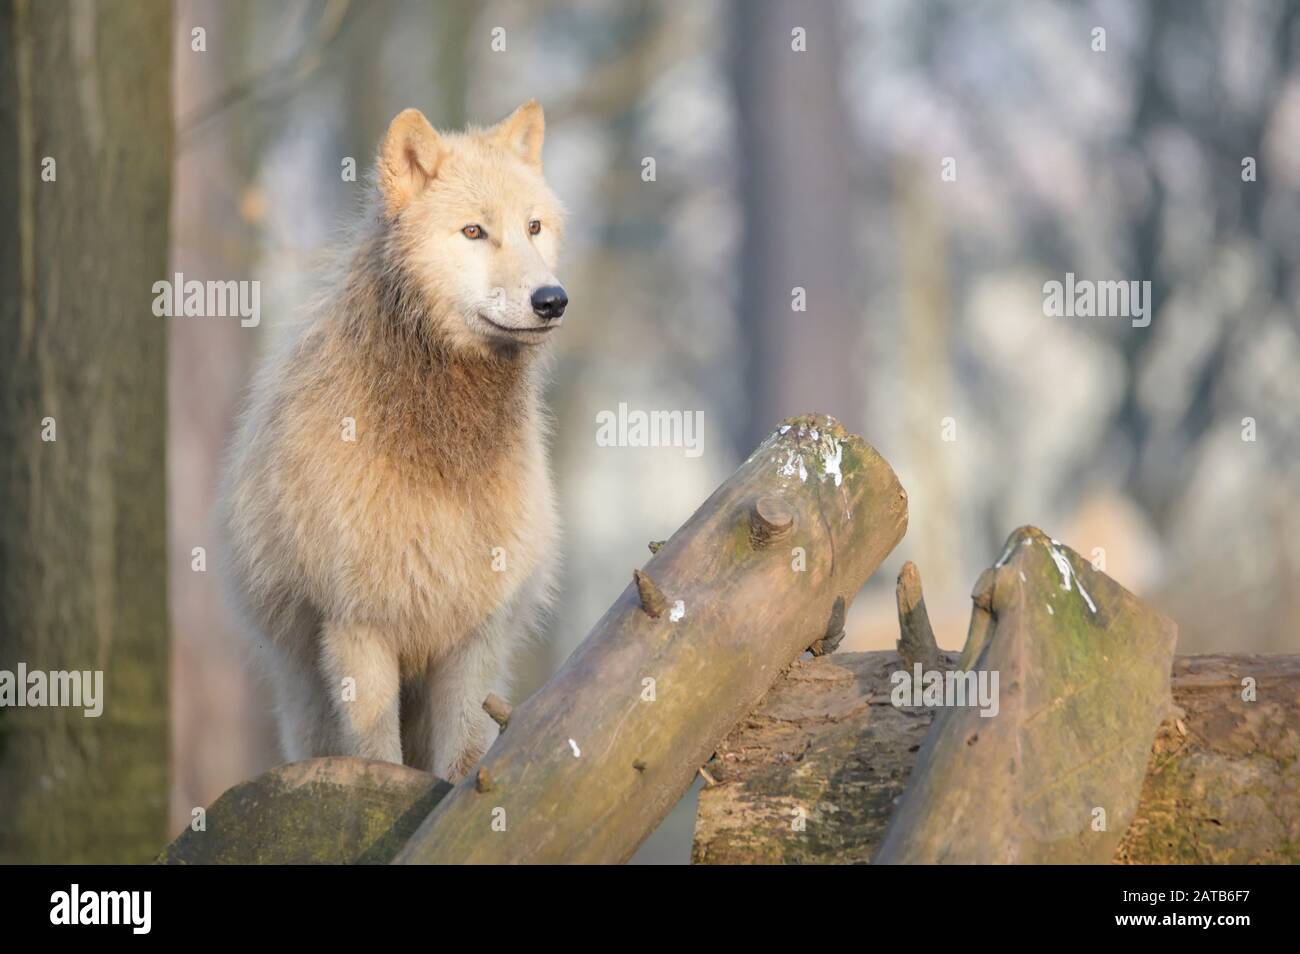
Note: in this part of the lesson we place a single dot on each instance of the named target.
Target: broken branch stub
(498, 709)
(916, 642)
(597, 757)
(652, 598)
(770, 521)
(1055, 773)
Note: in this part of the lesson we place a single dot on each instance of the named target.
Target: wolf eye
(534, 227)
(473, 232)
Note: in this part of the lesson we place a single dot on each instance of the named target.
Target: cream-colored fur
(413, 559)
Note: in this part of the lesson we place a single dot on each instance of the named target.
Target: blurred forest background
(821, 170)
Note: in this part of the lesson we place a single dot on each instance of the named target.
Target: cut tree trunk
(596, 758)
(322, 811)
(815, 772)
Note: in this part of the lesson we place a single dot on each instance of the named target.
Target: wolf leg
(304, 716)
(368, 706)
(448, 729)
(451, 721)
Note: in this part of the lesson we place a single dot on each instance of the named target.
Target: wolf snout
(549, 302)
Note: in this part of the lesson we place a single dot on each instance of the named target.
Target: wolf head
(475, 227)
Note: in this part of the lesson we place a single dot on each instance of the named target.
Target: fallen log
(1049, 767)
(322, 811)
(828, 744)
(765, 568)
(1222, 783)
(813, 773)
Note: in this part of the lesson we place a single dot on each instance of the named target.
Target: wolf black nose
(549, 302)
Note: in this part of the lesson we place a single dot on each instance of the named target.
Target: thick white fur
(373, 560)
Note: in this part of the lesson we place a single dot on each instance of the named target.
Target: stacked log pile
(1068, 740)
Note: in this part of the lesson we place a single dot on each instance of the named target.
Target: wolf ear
(521, 132)
(408, 159)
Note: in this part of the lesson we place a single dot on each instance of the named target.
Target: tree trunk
(82, 541)
(813, 774)
(594, 760)
(214, 692)
(795, 144)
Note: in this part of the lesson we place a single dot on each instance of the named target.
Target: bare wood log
(322, 811)
(596, 758)
(812, 774)
(1221, 783)
(1052, 771)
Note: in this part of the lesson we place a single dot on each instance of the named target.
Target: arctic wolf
(388, 506)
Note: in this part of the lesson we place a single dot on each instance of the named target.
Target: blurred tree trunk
(82, 539)
(795, 145)
(924, 310)
(453, 26)
(215, 236)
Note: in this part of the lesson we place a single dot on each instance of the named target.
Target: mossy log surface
(1054, 773)
(322, 811)
(1222, 784)
(595, 759)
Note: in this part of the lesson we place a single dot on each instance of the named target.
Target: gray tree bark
(83, 534)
